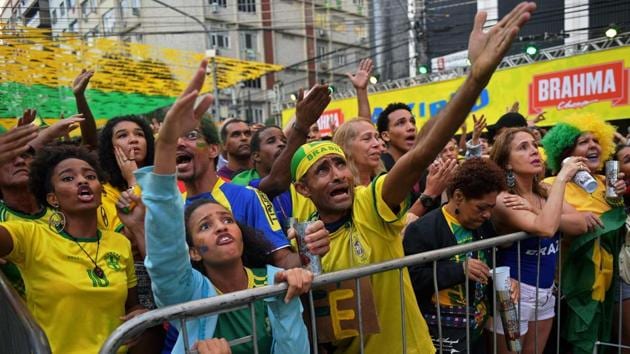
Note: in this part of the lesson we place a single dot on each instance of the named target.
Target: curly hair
(477, 177)
(344, 137)
(382, 123)
(560, 141)
(502, 148)
(256, 248)
(106, 153)
(45, 161)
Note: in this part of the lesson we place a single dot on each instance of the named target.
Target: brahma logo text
(579, 87)
(329, 121)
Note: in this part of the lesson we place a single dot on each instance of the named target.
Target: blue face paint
(202, 249)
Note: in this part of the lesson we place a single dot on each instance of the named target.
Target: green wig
(563, 136)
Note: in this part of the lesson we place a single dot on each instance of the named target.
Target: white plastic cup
(501, 277)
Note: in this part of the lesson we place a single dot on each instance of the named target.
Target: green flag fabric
(589, 276)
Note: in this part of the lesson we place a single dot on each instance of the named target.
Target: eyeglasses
(192, 135)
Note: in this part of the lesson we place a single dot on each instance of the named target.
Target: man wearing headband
(365, 221)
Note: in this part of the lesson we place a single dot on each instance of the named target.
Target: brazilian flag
(588, 278)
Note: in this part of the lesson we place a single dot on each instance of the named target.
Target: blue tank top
(529, 258)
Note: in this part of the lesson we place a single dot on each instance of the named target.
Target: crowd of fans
(137, 216)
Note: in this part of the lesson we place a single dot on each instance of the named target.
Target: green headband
(310, 153)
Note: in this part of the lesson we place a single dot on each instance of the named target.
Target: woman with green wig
(589, 261)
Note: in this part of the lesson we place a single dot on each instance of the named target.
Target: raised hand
(438, 178)
(486, 49)
(16, 141)
(81, 81)
(28, 117)
(127, 164)
(155, 126)
(308, 109)
(539, 118)
(213, 346)
(480, 125)
(361, 77)
(183, 116)
(60, 129)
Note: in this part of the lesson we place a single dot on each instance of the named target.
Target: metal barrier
(19, 333)
(245, 298)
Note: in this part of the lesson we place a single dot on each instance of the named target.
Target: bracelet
(294, 127)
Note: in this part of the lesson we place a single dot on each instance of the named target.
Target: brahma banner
(596, 82)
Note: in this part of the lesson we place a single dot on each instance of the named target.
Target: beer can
(584, 179)
(612, 171)
(309, 260)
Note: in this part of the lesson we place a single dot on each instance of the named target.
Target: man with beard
(235, 135)
(272, 152)
(365, 222)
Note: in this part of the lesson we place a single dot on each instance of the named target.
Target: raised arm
(360, 80)
(89, 136)
(486, 50)
(546, 222)
(308, 110)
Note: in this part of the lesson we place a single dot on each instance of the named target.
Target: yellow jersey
(372, 235)
(76, 309)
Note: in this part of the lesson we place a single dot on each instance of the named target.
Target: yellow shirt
(76, 309)
(373, 235)
(302, 206)
(578, 198)
(108, 214)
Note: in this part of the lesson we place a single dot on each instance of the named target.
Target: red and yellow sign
(597, 82)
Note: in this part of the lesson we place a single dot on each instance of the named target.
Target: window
(85, 10)
(109, 21)
(249, 46)
(220, 40)
(135, 7)
(73, 26)
(62, 9)
(71, 4)
(340, 59)
(254, 115)
(256, 83)
(321, 50)
(222, 3)
(247, 5)
(53, 16)
(93, 5)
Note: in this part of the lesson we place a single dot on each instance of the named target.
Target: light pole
(212, 53)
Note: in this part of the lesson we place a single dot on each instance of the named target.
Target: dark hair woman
(90, 269)
(540, 211)
(472, 193)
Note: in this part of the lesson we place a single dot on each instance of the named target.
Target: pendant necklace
(98, 271)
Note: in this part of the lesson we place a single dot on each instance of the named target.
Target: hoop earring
(104, 216)
(510, 179)
(57, 220)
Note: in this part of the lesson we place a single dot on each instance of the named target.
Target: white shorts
(546, 308)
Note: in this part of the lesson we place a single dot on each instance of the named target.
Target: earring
(510, 179)
(57, 220)
(104, 216)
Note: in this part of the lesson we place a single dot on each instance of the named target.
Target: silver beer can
(612, 173)
(309, 260)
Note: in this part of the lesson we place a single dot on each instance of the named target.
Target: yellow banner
(595, 82)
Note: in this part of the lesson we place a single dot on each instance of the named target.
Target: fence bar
(19, 333)
(182, 323)
(252, 312)
(437, 306)
(494, 303)
(203, 307)
(402, 309)
(467, 313)
(311, 305)
(604, 344)
(559, 297)
(536, 297)
(357, 284)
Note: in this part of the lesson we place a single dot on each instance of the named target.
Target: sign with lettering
(596, 82)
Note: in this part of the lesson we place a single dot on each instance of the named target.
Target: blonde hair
(344, 137)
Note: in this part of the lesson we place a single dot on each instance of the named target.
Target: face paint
(201, 143)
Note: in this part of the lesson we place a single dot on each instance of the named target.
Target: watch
(427, 201)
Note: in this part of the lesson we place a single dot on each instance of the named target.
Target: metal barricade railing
(19, 333)
(244, 299)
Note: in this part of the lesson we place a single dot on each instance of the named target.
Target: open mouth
(339, 192)
(224, 239)
(593, 157)
(182, 159)
(85, 194)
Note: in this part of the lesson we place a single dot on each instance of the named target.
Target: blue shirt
(529, 259)
(250, 207)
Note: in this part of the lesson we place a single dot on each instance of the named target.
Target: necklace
(98, 271)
